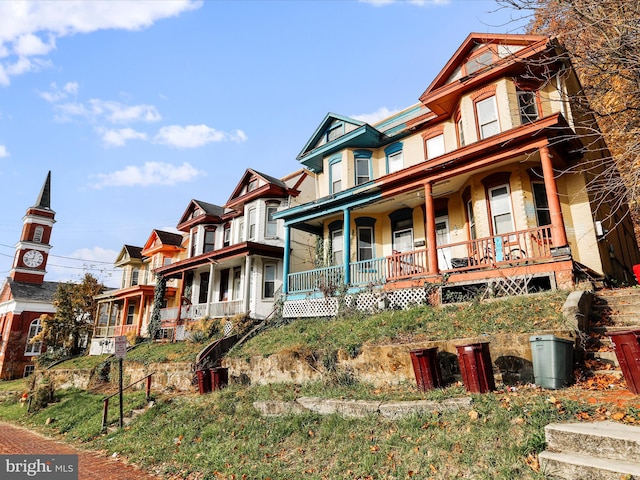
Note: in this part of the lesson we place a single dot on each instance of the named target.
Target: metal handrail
(105, 400)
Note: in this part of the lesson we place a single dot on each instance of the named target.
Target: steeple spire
(44, 199)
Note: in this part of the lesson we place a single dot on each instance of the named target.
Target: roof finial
(44, 199)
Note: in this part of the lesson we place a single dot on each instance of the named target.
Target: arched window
(32, 349)
(38, 232)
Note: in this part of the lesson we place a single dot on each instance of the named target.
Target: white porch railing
(104, 332)
(318, 279)
(212, 309)
(506, 250)
(368, 271)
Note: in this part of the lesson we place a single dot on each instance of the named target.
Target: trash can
(426, 368)
(627, 347)
(552, 359)
(476, 367)
(204, 382)
(219, 378)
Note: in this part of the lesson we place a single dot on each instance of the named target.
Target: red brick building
(25, 296)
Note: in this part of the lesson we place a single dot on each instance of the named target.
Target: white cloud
(151, 173)
(117, 138)
(106, 110)
(56, 94)
(374, 117)
(31, 28)
(3, 151)
(193, 136)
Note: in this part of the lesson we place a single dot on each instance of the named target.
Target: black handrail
(105, 400)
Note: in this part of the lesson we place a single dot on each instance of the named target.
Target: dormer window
(334, 131)
(479, 61)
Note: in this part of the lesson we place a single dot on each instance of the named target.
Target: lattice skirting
(365, 302)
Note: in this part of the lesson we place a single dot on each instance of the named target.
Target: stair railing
(105, 409)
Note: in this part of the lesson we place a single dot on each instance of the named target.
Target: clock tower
(30, 261)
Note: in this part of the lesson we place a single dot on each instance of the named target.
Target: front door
(224, 285)
(442, 238)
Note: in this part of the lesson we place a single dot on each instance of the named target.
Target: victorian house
(472, 189)
(25, 295)
(226, 262)
(127, 310)
(234, 259)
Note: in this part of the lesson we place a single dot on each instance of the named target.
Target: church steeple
(32, 250)
(44, 199)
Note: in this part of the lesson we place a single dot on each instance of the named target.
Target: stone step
(572, 466)
(608, 358)
(609, 440)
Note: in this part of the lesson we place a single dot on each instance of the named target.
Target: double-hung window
(252, 224)
(335, 174)
(527, 106)
(487, 116)
(362, 159)
(226, 237)
(543, 214)
(271, 227)
(500, 203)
(435, 146)
(395, 160)
(209, 239)
(336, 247)
(269, 281)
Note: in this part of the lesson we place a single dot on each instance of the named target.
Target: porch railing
(104, 331)
(368, 271)
(513, 248)
(318, 279)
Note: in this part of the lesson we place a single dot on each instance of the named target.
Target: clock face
(32, 258)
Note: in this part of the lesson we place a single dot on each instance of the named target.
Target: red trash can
(476, 367)
(426, 368)
(219, 378)
(204, 382)
(627, 347)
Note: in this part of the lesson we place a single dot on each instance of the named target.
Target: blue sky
(138, 107)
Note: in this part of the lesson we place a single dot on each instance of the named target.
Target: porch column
(285, 259)
(123, 316)
(346, 229)
(142, 310)
(212, 268)
(247, 283)
(559, 235)
(180, 295)
(430, 227)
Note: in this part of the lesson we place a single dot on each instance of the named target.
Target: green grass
(524, 314)
(221, 435)
(18, 385)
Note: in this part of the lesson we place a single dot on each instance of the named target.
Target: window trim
(479, 126)
(359, 155)
(265, 281)
(273, 222)
(252, 222)
(38, 234)
(337, 163)
(392, 150)
(536, 103)
(209, 230)
(33, 349)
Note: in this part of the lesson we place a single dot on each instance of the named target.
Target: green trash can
(552, 359)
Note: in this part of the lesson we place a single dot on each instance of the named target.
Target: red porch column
(430, 227)
(559, 235)
(123, 317)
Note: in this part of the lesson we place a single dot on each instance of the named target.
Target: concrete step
(608, 358)
(609, 440)
(571, 466)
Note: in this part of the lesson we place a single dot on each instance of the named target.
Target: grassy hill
(222, 436)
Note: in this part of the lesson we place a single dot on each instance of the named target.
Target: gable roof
(160, 240)
(522, 46)
(356, 134)
(272, 187)
(210, 213)
(127, 254)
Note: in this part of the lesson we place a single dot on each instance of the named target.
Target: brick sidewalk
(91, 466)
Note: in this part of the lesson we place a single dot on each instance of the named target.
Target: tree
(64, 333)
(601, 38)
